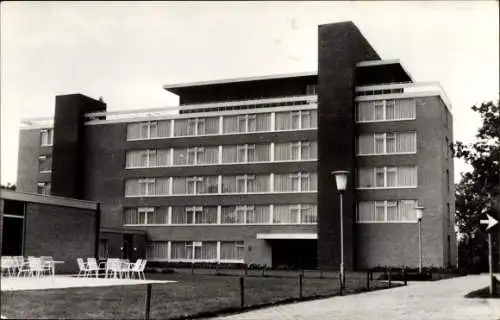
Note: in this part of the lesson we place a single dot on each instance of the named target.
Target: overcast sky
(126, 51)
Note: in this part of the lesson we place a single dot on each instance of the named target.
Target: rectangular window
(46, 137)
(300, 150)
(386, 110)
(157, 250)
(295, 182)
(147, 187)
(45, 163)
(148, 130)
(286, 214)
(387, 211)
(194, 250)
(311, 89)
(291, 120)
(196, 156)
(232, 250)
(387, 177)
(194, 215)
(245, 183)
(195, 185)
(387, 143)
(308, 213)
(147, 158)
(43, 188)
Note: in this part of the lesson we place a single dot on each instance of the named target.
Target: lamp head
(341, 179)
(420, 212)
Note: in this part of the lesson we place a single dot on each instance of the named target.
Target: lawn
(190, 296)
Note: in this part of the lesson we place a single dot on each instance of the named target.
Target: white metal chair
(48, 263)
(33, 268)
(113, 267)
(92, 266)
(7, 263)
(82, 266)
(140, 269)
(135, 267)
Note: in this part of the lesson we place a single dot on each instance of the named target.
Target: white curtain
(130, 216)
(163, 157)
(229, 153)
(314, 118)
(208, 215)
(366, 211)
(157, 250)
(407, 176)
(405, 109)
(261, 152)
(366, 177)
(131, 187)
(308, 213)
(231, 250)
(263, 122)
(161, 187)
(229, 215)
(407, 210)
(282, 182)
(207, 251)
(392, 211)
(180, 156)
(260, 214)
(285, 214)
(365, 144)
(282, 151)
(179, 250)
(136, 159)
(160, 216)
(313, 176)
(230, 124)
(134, 131)
(179, 185)
(283, 120)
(406, 142)
(164, 128)
(180, 127)
(364, 111)
(259, 183)
(208, 184)
(209, 155)
(228, 184)
(179, 215)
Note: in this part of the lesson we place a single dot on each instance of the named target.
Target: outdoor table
(52, 264)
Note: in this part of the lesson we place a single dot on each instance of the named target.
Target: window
(195, 185)
(46, 137)
(196, 155)
(295, 213)
(245, 183)
(194, 250)
(245, 214)
(387, 143)
(232, 250)
(245, 153)
(246, 123)
(291, 120)
(387, 211)
(387, 177)
(143, 216)
(295, 182)
(148, 130)
(147, 158)
(301, 150)
(43, 188)
(196, 126)
(194, 215)
(45, 163)
(157, 250)
(147, 187)
(386, 110)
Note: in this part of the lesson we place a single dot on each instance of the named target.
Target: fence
(198, 293)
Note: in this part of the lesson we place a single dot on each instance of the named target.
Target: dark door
(128, 247)
(12, 236)
(294, 254)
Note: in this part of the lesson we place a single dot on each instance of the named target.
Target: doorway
(13, 228)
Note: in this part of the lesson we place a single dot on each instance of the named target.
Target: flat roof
(174, 87)
(394, 66)
(50, 200)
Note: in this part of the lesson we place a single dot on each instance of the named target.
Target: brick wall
(61, 232)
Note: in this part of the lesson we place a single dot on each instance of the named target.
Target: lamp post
(420, 214)
(341, 181)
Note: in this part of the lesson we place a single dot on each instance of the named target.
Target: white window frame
(49, 137)
(147, 181)
(385, 205)
(246, 178)
(384, 106)
(195, 180)
(145, 211)
(43, 158)
(384, 135)
(193, 211)
(299, 176)
(385, 170)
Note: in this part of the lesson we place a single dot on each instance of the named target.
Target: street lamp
(341, 181)
(420, 214)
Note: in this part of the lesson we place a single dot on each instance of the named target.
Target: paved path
(438, 300)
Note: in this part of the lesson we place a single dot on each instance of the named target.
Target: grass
(191, 296)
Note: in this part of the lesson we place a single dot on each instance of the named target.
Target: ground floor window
(196, 251)
(231, 250)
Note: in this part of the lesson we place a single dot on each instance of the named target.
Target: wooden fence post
(300, 286)
(148, 301)
(242, 292)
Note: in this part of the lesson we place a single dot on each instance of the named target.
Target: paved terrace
(66, 281)
(438, 300)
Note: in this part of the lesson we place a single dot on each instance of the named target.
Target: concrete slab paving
(438, 300)
(66, 281)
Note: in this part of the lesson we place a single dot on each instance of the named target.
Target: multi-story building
(240, 172)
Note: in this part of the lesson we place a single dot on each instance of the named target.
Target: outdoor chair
(93, 266)
(18, 263)
(140, 269)
(113, 267)
(7, 263)
(47, 262)
(33, 268)
(82, 266)
(135, 267)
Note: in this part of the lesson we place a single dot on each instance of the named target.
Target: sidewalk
(438, 300)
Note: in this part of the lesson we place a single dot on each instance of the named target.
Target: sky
(126, 51)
